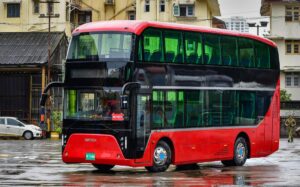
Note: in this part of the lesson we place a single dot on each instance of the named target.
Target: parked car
(11, 126)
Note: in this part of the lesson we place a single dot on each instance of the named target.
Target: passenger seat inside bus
(179, 58)
(170, 56)
(192, 58)
(226, 60)
(156, 56)
(146, 55)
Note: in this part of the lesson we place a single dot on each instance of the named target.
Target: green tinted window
(152, 43)
(174, 109)
(246, 53)
(262, 56)
(246, 108)
(158, 109)
(193, 48)
(215, 108)
(228, 107)
(194, 108)
(229, 51)
(140, 51)
(212, 49)
(173, 46)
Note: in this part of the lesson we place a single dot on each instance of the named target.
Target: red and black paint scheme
(130, 138)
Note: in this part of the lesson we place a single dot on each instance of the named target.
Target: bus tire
(162, 157)
(240, 153)
(103, 167)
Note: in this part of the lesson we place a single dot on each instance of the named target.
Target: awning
(10, 1)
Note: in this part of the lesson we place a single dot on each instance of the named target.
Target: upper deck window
(101, 47)
(152, 43)
(173, 46)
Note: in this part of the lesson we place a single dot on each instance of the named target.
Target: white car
(11, 126)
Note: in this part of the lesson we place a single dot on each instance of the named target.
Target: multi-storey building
(285, 32)
(25, 15)
(195, 12)
(237, 23)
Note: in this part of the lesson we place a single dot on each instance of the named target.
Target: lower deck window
(208, 108)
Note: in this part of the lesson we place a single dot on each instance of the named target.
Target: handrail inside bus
(45, 95)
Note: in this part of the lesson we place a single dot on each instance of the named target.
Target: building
(194, 12)
(285, 32)
(237, 23)
(31, 15)
(83, 11)
(24, 16)
(23, 68)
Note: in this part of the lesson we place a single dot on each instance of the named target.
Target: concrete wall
(282, 31)
(279, 27)
(202, 13)
(29, 21)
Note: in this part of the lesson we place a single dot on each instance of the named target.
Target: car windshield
(93, 105)
(108, 46)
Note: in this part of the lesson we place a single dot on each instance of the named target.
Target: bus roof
(137, 27)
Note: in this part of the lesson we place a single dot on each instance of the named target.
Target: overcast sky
(246, 8)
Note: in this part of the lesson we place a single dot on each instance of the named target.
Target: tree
(284, 95)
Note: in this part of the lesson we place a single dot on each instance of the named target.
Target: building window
(13, 10)
(186, 10)
(147, 5)
(84, 17)
(292, 47)
(131, 15)
(67, 11)
(292, 13)
(36, 7)
(162, 5)
(50, 8)
(292, 79)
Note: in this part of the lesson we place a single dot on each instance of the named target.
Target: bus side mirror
(124, 102)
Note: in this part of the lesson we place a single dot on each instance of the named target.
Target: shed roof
(27, 48)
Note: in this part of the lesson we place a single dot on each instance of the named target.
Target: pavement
(38, 163)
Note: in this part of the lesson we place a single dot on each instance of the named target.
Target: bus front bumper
(94, 148)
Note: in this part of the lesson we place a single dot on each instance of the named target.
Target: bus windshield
(101, 47)
(93, 105)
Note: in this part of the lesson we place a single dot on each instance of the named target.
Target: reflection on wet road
(39, 162)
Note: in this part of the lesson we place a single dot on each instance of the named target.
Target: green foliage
(284, 95)
(56, 117)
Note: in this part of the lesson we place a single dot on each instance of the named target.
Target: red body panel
(190, 145)
(137, 27)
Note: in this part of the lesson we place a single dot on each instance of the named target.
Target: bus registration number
(90, 156)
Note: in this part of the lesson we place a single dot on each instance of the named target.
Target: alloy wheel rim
(241, 151)
(160, 156)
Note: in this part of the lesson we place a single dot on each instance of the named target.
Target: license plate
(90, 156)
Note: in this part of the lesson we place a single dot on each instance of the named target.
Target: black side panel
(155, 74)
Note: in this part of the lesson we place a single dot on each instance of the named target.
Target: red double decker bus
(152, 94)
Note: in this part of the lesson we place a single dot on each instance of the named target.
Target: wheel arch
(170, 143)
(245, 135)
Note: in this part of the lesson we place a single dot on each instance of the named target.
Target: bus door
(142, 127)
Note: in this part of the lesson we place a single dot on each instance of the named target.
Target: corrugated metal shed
(27, 48)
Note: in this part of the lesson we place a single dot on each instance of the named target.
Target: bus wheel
(161, 158)
(103, 167)
(240, 153)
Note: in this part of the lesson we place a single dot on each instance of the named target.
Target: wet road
(38, 162)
